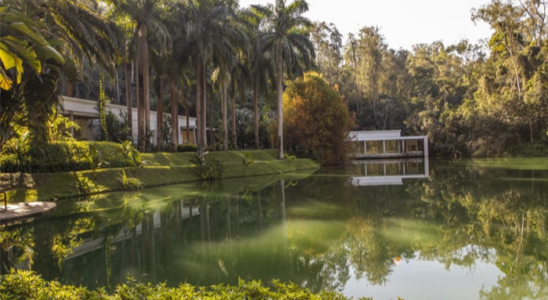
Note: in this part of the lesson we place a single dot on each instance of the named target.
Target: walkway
(24, 210)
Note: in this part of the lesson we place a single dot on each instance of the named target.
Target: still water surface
(440, 230)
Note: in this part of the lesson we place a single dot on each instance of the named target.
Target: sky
(403, 23)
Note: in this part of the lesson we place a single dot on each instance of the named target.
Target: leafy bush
(62, 157)
(316, 119)
(246, 159)
(85, 185)
(187, 148)
(130, 183)
(132, 156)
(208, 168)
(28, 285)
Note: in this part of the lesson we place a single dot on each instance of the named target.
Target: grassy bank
(160, 169)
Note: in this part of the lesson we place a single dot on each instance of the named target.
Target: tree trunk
(280, 110)
(224, 112)
(160, 117)
(143, 33)
(256, 112)
(233, 112)
(204, 106)
(199, 108)
(140, 114)
(174, 113)
(187, 115)
(211, 132)
(129, 105)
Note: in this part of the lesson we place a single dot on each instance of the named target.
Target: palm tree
(260, 67)
(286, 39)
(147, 16)
(214, 38)
(179, 65)
(20, 41)
(239, 80)
(160, 55)
(79, 32)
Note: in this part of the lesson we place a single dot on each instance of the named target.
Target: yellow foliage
(316, 119)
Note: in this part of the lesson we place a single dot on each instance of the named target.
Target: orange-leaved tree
(316, 119)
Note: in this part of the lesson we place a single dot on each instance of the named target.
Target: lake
(467, 229)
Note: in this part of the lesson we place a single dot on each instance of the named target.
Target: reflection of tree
(508, 216)
(461, 215)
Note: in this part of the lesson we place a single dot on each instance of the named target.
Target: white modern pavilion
(388, 144)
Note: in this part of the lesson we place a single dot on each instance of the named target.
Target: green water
(444, 230)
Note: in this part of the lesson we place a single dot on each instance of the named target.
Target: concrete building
(83, 112)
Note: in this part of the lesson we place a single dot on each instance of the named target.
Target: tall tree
(213, 36)
(23, 50)
(79, 32)
(261, 70)
(146, 14)
(287, 40)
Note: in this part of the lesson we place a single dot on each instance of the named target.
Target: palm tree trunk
(199, 108)
(160, 117)
(211, 132)
(224, 111)
(280, 110)
(187, 115)
(140, 114)
(143, 33)
(174, 112)
(204, 106)
(129, 105)
(256, 111)
(233, 112)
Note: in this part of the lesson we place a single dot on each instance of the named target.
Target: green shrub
(187, 148)
(132, 156)
(28, 285)
(62, 157)
(130, 183)
(208, 168)
(246, 159)
(85, 185)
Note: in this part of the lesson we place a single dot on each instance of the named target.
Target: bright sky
(403, 23)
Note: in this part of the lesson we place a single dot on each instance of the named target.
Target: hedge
(28, 285)
(187, 148)
(61, 157)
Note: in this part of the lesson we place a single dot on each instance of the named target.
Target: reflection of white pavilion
(388, 144)
(390, 172)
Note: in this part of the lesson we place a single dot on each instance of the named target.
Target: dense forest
(228, 66)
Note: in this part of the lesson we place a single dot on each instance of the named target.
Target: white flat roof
(381, 135)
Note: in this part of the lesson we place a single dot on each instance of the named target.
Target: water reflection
(470, 230)
(390, 171)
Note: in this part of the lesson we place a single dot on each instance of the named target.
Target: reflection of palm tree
(259, 213)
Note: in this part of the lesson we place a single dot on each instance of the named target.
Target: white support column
(383, 147)
(364, 147)
(425, 146)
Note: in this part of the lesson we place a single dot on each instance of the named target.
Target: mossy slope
(160, 169)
